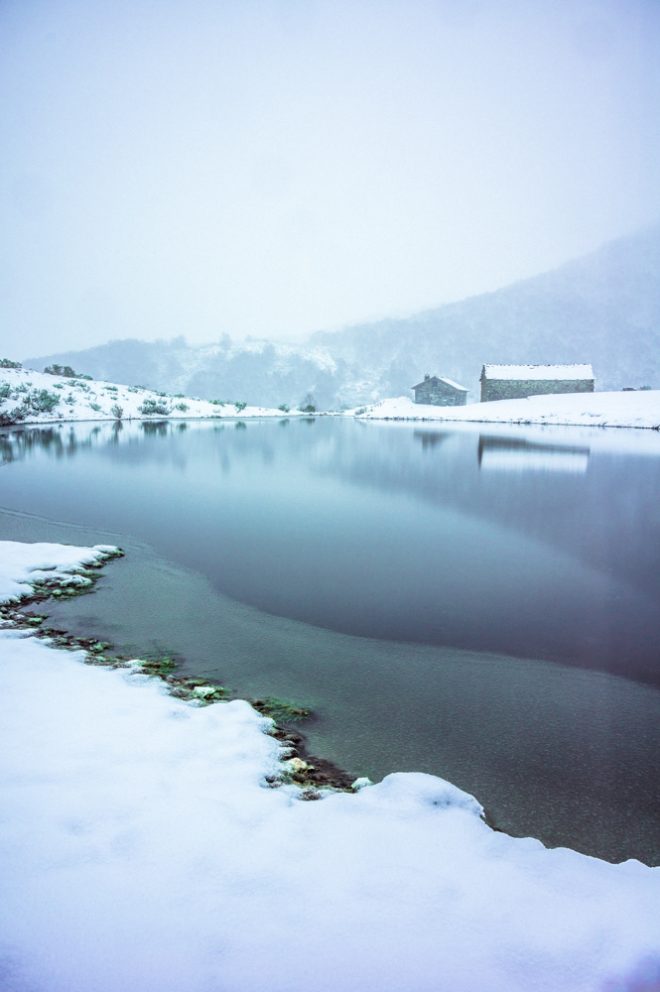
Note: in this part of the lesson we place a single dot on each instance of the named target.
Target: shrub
(6, 363)
(11, 417)
(117, 411)
(63, 370)
(310, 408)
(240, 406)
(284, 407)
(5, 390)
(41, 401)
(182, 407)
(218, 402)
(153, 406)
(95, 406)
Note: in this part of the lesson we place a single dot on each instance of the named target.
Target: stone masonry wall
(514, 389)
(439, 394)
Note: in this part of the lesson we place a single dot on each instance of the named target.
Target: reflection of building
(440, 392)
(430, 439)
(513, 455)
(511, 382)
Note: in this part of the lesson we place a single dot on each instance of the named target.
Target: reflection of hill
(544, 488)
(610, 498)
(512, 455)
(377, 531)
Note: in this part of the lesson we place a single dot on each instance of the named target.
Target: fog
(272, 168)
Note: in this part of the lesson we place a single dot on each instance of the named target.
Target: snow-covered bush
(41, 401)
(65, 370)
(153, 406)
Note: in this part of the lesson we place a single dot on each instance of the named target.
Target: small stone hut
(440, 392)
(511, 382)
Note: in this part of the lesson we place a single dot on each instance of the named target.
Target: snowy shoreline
(142, 849)
(32, 398)
(634, 409)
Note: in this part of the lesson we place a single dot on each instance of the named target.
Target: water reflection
(519, 455)
(355, 528)
(430, 439)
(160, 428)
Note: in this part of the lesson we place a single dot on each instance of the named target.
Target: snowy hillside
(143, 849)
(33, 397)
(615, 409)
(603, 308)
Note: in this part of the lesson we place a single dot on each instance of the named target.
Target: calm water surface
(475, 603)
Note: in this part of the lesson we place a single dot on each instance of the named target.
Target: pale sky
(282, 166)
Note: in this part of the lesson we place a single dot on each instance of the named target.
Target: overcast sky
(282, 166)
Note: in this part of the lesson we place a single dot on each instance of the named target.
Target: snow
(562, 372)
(142, 849)
(81, 399)
(455, 385)
(616, 409)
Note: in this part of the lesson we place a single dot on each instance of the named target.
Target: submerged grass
(281, 710)
(311, 774)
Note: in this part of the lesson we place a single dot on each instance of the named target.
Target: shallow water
(479, 605)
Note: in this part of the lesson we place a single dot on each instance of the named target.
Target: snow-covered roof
(537, 372)
(440, 378)
(455, 385)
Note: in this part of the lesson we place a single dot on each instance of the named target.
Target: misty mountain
(247, 372)
(603, 308)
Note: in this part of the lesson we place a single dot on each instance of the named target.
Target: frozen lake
(475, 602)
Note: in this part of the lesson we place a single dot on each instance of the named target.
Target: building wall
(439, 394)
(514, 389)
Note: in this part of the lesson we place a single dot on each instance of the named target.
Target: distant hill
(603, 308)
(255, 372)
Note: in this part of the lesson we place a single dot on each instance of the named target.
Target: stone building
(510, 382)
(440, 392)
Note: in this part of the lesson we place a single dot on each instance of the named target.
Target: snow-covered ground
(28, 397)
(142, 849)
(617, 409)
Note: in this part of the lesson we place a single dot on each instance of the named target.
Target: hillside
(255, 372)
(29, 397)
(603, 308)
